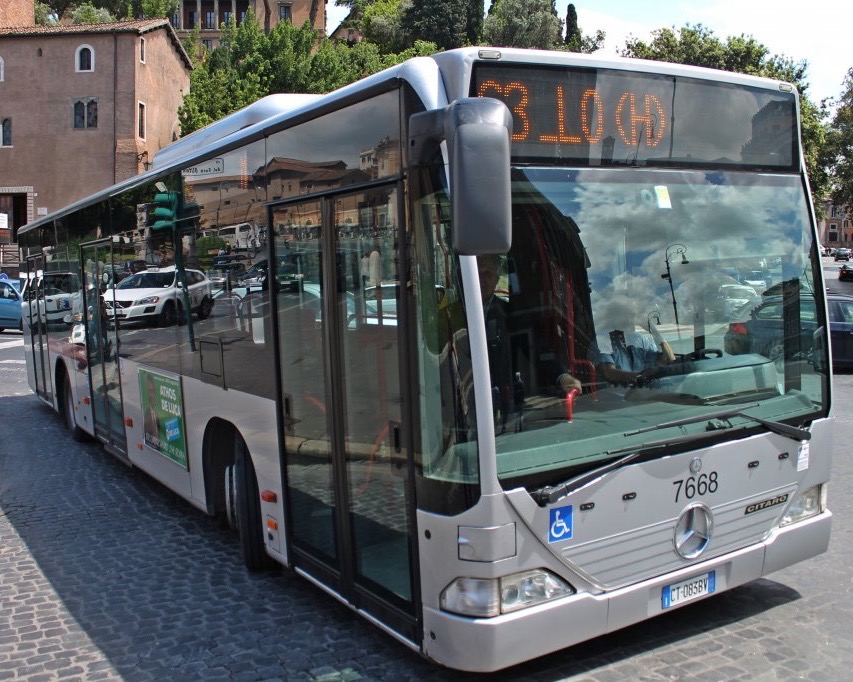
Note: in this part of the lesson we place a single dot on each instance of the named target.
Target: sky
(815, 31)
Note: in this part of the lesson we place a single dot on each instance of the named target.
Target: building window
(209, 20)
(141, 121)
(142, 50)
(1, 69)
(6, 133)
(285, 13)
(208, 43)
(84, 59)
(85, 114)
(175, 20)
(191, 19)
(226, 17)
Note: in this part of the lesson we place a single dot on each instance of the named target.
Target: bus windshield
(634, 298)
(696, 287)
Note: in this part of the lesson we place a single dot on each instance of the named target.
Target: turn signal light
(269, 496)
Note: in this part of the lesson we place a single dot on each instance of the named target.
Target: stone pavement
(105, 575)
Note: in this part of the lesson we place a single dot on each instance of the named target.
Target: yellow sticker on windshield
(662, 193)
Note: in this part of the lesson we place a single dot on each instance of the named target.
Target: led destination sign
(599, 117)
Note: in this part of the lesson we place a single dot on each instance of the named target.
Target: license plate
(688, 590)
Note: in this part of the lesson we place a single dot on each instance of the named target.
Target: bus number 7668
(699, 485)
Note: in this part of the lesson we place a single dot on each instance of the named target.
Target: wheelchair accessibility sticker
(561, 524)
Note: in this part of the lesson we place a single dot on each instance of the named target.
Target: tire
(76, 432)
(247, 510)
(205, 308)
(168, 316)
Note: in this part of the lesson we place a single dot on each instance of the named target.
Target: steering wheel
(704, 353)
(647, 376)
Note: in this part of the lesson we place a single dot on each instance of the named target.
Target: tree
(442, 22)
(381, 25)
(575, 41)
(840, 145)
(698, 46)
(474, 25)
(523, 23)
(154, 9)
(87, 13)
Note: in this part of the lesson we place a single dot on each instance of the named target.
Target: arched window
(85, 114)
(84, 59)
(6, 133)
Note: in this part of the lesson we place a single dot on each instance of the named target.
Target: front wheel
(246, 510)
(169, 315)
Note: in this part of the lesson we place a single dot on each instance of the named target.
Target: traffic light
(165, 211)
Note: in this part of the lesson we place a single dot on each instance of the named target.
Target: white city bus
(611, 425)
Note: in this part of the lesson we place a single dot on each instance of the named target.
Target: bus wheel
(247, 510)
(68, 409)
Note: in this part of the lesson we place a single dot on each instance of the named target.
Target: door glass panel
(32, 313)
(296, 277)
(368, 289)
(104, 266)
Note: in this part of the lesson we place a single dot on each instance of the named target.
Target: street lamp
(653, 315)
(676, 249)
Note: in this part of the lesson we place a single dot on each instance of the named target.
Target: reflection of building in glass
(381, 160)
(772, 130)
(835, 229)
(233, 198)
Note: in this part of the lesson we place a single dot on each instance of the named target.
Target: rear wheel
(68, 412)
(246, 510)
(205, 308)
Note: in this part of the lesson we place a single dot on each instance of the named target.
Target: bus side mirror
(477, 131)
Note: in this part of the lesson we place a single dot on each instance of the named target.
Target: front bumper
(489, 644)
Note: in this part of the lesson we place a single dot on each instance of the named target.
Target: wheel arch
(218, 454)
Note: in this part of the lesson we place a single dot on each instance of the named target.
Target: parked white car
(153, 295)
(59, 299)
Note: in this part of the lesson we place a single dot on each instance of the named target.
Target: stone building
(81, 108)
(209, 15)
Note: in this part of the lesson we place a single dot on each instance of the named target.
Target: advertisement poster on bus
(163, 420)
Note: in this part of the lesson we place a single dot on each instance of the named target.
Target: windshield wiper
(551, 493)
(792, 432)
(716, 421)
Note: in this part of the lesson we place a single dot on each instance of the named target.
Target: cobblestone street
(105, 575)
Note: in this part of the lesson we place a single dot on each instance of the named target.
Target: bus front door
(347, 465)
(101, 261)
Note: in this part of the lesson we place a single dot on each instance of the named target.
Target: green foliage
(698, 46)
(840, 145)
(206, 246)
(474, 27)
(575, 41)
(154, 9)
(87, 13)
(443, 22)
(523, 23)
(380, 24)
(43, 13)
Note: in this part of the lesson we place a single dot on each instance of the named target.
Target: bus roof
(438, 80)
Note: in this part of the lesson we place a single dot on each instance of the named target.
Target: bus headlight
(489, 597)
(810, 503)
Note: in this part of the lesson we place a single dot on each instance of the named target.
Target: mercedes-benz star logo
(693, 531)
